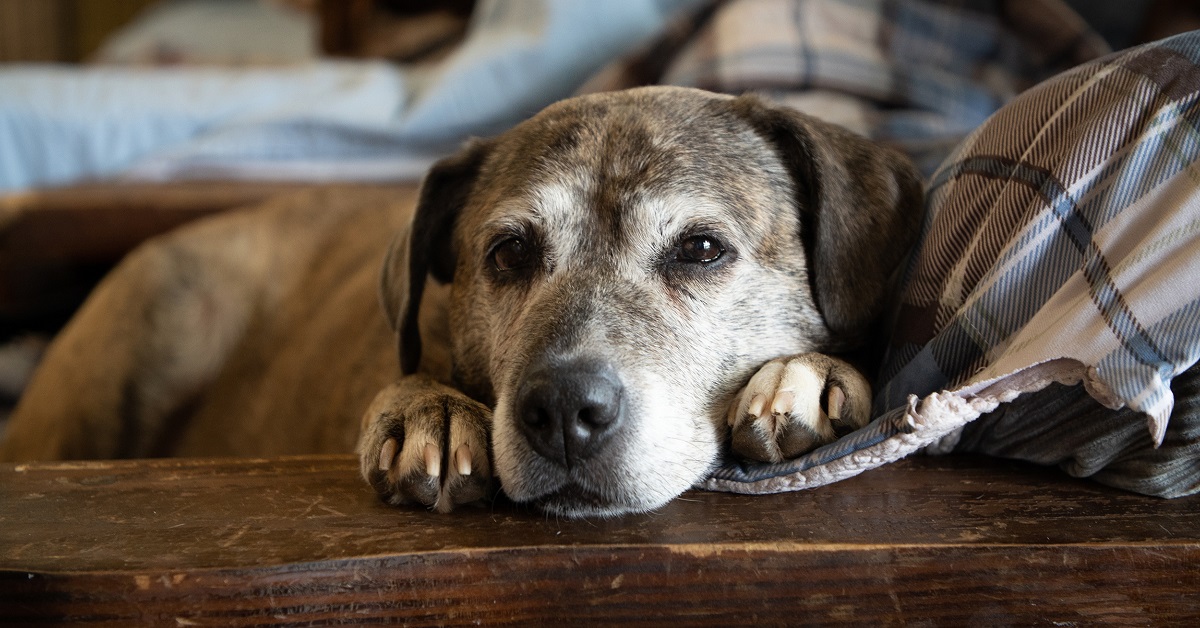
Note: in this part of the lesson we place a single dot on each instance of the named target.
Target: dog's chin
(574, 501)
(578, 493)
(596, 488)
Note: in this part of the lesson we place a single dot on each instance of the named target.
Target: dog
(588, 308)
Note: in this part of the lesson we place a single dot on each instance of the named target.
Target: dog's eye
(700, 249)
(512, 254)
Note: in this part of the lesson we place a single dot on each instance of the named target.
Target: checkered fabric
(915, 74)
(1061, 248)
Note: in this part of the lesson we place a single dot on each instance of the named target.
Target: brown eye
(512, 254)
(700, 249)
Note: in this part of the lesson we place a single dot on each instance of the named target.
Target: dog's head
(621, 263)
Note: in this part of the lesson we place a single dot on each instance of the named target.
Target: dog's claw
(784, 401)
(757, 403)
(433, 460)
(387, 455)
(834, 402)
(462, 459)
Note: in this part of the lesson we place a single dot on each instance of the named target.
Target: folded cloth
(1061, 247)
(325, 120)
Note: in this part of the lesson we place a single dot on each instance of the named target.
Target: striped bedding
(1055, 299)
(915, 74)
(1061, 249)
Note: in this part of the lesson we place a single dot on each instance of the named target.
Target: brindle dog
(620, 285)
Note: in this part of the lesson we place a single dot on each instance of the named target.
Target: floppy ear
(426, 247)
(860, 211)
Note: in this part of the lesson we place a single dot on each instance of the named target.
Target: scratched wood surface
(302, 541)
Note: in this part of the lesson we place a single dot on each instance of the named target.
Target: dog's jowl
(632, 281)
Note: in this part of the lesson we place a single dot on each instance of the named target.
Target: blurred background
(74, 31)
(224, 31)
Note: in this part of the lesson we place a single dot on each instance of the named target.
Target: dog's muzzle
(569, 412)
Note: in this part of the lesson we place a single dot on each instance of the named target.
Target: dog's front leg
(423, 442)
(795, 404)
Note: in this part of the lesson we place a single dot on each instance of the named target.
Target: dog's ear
(426, 247)
(860, 211)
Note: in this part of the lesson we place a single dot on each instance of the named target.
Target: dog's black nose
(568, 411)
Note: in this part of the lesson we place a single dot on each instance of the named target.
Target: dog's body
(252, 333)
(608, 277)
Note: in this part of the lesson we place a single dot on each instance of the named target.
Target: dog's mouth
(594, 492)
(574, 500)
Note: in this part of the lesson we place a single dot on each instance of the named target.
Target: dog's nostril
(598, 416)
(538, 418)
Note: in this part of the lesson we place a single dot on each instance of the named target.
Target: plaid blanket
(915, 74)
(1061, 249)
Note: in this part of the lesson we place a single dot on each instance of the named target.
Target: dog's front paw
(796, 404)
(422, 442)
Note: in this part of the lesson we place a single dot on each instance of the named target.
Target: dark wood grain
(303, 541)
